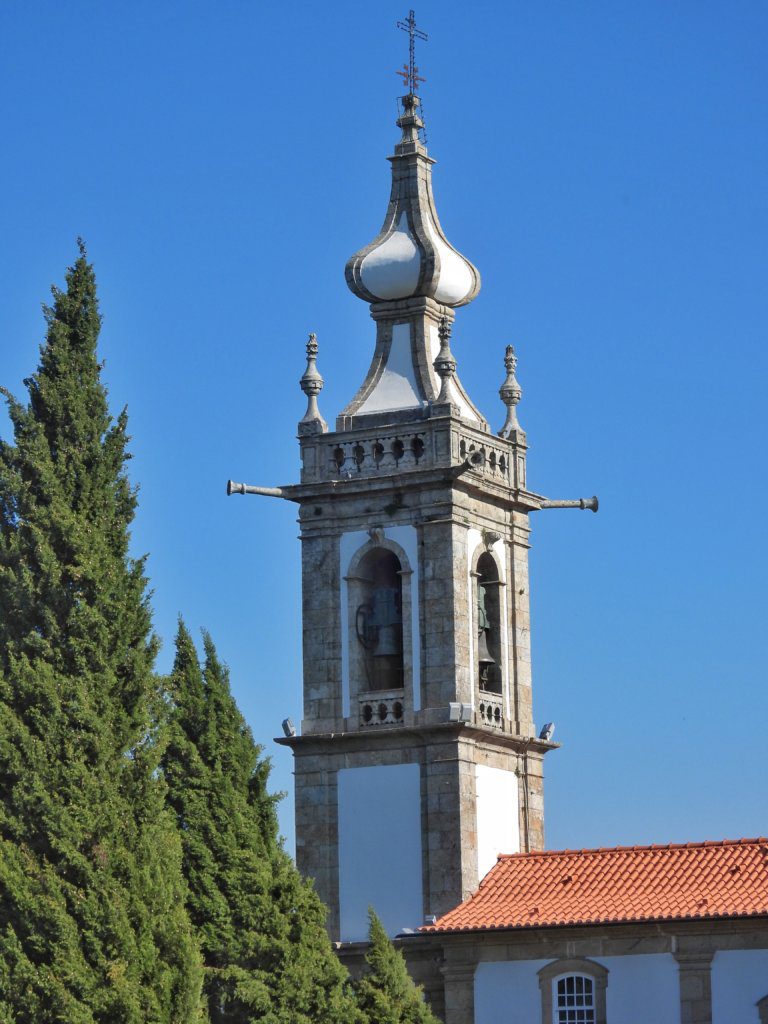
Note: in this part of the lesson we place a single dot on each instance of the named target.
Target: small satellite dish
(288, 727)
(547, 732)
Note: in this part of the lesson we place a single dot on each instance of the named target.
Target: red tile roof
(615, 884)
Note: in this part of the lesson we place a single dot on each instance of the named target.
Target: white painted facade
(391, 270)
(641, 990)
(456, 280)
(739, 980)
(351, 542)
(380, 857)
(498, 827)
(396, 388)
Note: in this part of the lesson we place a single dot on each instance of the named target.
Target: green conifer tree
(386, 993)
(93, 928)
(261, 926)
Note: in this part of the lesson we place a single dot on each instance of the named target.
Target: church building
(418, 768)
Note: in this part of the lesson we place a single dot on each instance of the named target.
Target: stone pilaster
(459, 983)
(695, 987)
(520, 625)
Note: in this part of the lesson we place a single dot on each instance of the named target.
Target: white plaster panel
(508, 993)
(498, 829)
(391, 271)
(380, 860)
(349, 544)
(396, 388)
(739, 979)
(640, 988)
(455, 280)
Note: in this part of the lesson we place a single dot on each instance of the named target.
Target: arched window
(379, 620)
(573, 992)
(488, 625)
(574, 999)
(762, 1010)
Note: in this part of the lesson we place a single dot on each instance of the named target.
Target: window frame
(555, 971)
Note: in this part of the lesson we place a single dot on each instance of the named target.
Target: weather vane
(410, 73)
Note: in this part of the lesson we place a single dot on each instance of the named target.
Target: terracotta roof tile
(620, 883)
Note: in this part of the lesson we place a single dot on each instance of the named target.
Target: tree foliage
(262, 930)
(92, 920)
(142, 879)
(386, 993)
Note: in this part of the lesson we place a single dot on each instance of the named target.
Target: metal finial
(510, 393)
(445, 364)
(410, 73)
(312, 384)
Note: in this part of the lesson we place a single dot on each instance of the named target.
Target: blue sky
(603, 164)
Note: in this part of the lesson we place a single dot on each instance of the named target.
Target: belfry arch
(379, 632)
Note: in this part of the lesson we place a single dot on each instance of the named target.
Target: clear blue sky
(603, 164)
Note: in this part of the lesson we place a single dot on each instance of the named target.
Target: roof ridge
(703, 843)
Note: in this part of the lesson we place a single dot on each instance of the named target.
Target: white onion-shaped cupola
(411, 257)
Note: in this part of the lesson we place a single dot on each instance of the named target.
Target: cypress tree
(261, 926)
(386, 993)
(92, 920)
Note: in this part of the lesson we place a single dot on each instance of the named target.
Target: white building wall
(396, 388)
(508, 993)
(640, 989)
(739, 979)
(380, 863)
(498, 826)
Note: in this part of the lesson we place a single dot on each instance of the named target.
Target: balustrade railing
(490, 709)
(381, 707)
(496, 462)
(382, 453)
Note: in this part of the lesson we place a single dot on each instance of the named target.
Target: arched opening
(574, 1000)
(488, 647)
(379, 620)
(573, 992)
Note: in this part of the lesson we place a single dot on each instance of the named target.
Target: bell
(387, 644)
(483, 654)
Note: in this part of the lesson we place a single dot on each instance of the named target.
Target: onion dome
(411, 257)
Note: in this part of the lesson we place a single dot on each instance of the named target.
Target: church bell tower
(417, 761)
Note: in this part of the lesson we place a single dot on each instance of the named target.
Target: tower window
(488, 625)
(379, 621)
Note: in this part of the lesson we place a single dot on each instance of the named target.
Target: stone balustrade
(382, 453)
(371, 453)
(490, 709)
(380, 708)
(496, 462)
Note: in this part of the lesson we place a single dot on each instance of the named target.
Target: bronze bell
(483, 654)
(387, 644)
